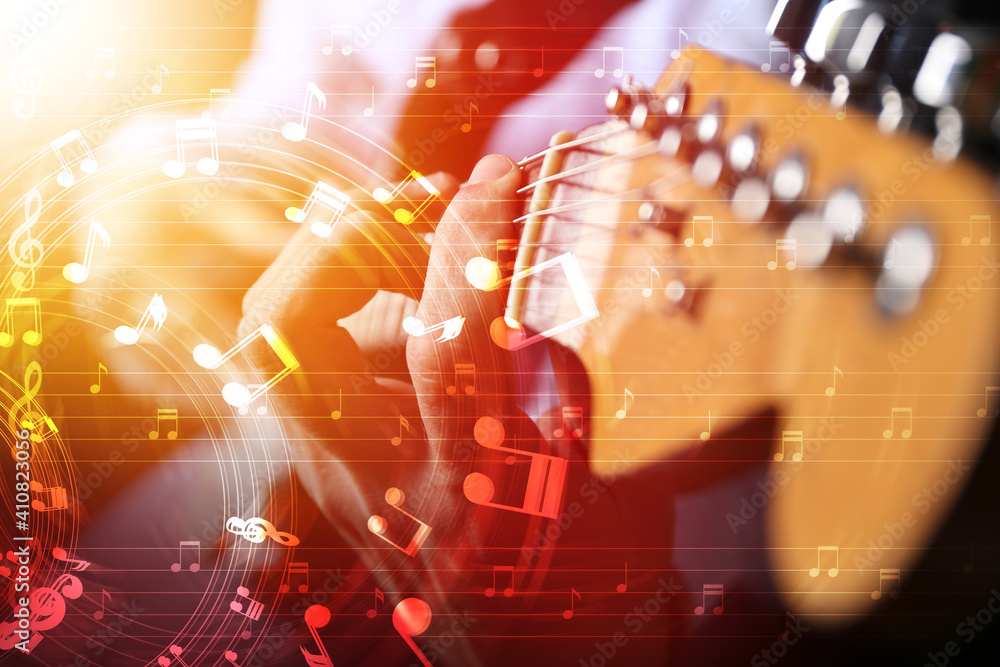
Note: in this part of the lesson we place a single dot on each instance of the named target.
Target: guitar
(745, 246)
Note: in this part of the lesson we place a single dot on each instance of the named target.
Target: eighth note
(568, 614)
(790, 438)
(103, 54)
(830, 391)
(467, 127)
(599, 72)
(94, 388)
(98, 615)
(906, 432)
(195, 564)
(297, 131)
(234, 393)
(412, 617)
(379, 597)
(449, 328)
(402, 214)
(624, 411)
(985, 410)
(77, 273)
(705, 435)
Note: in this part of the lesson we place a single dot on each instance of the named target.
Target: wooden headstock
(894, 285)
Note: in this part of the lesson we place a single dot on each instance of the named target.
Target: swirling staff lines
(213, 392)
(242, 180)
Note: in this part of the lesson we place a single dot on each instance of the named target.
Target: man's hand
(348, 464)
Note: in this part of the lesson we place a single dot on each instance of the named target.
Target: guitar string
(617, 128)
(642, 150)
(619, 196)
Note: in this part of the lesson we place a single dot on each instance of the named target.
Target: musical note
(887, 577)
(379, 525)
(985, 410)
(467, 127)
(75, 565)
(622, 587)
(540, 70)
(568, 614)
(225, 95)
(790, 438)
(340, 30)
(403, 214)
(648, 291)
(103, 54)
(467, 370)
(256, 530)
(705, 435)
(198, 131)
(599, 72)
(88, 163)
(155, 311)
(449, 328)
(23, 252)
(231, 658)
(339, 412)
(175, 651)
(57, 498)
(711, 590)
(158, 87)
(681, 37)
(906, 432)
(262, 408)
(370, 111)
(423, 63)
(570, 415)
(890, 260)
(783, 245)
(969, 567)
(251, 608)
(708, 240)
(195, 564)
(546, 475)
(26, 80)
(98, 615)
(508, 591)
(411, 617)
(294, 569)
(297, 131)
(234, 393)
(47, 609)
(30, 419)
(333, 199)
(379, 597)
(165, 414)
(95, 388)
(833, 571)
(983, 241)
(830, 391)
(31, 336)
(398, 439)
(624, 411)
(776, 47)
(77, 273)
(317, 616)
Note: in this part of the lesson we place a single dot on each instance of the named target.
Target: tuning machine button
(620, 100)
(813, 239)
(709, 126)
(743, 150)
(907, 264)
(750, 200)
(844, 213)
(789, 178)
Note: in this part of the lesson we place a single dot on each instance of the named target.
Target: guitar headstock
(755, 248)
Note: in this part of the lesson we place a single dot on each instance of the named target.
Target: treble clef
(47, 608)
(29, 417)
(256, 530)
(26, 80)
(27, 251)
